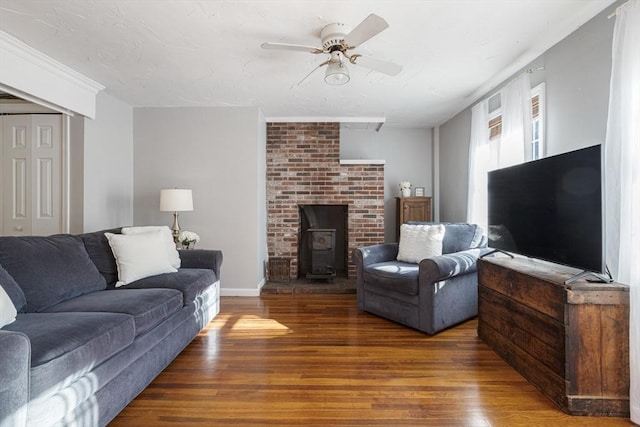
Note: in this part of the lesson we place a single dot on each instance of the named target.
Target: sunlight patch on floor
(256, 323)
(250, 326)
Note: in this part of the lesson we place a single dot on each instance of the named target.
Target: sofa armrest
(445, 266)
(201, 258)
(15, 361)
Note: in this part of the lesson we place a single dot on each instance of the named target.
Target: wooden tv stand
(570, 341)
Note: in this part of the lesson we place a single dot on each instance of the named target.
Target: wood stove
(322, 246)
(322, 242)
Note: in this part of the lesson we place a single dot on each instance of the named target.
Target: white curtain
(622, 177)
(507, 150)
(478, 165)
(515, 142)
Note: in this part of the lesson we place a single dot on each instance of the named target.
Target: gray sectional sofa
(81, 349)
(431, 295)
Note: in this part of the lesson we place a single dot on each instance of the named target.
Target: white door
(31, 174)
(16, 175)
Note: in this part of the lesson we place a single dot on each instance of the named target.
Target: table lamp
(176, 200)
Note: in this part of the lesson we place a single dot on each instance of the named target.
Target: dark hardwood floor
(290, 360)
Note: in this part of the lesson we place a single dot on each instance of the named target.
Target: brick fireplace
(303, 168)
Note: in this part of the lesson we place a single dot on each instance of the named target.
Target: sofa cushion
(192, 282)
(167, 236)
(139, 256)
(420, 241)
(394, 275)
(50, 269)
(149, 307)
(13, 290)
(100, 253)
(65, 346)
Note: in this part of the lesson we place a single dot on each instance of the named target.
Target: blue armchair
(430, 296)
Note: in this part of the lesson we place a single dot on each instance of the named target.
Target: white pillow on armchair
(420, 241)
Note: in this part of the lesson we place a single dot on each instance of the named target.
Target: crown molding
(360, 123)
(323, 119)
(31, 72)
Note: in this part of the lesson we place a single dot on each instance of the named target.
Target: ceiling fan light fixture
(337, 39)
(337, 73)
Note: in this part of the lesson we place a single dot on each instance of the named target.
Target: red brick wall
(303, 168)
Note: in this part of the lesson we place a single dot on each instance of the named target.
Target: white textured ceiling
(207, 53)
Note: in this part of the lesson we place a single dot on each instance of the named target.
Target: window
(537, 120)
(537, 124)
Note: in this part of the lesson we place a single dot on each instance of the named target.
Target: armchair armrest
(368, 255)
(449, 288)
(446, 266)
(15, 361)
(201, 258)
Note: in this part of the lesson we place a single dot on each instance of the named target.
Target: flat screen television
(551, 209)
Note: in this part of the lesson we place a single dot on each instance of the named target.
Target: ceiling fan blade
(372, 25)
(313, 71)
(385, 67)
(288, 46)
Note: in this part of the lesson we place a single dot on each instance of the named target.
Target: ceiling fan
(337, 40)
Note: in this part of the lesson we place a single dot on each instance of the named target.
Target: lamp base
(175, 228)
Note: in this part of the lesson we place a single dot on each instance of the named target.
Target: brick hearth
(303, 168)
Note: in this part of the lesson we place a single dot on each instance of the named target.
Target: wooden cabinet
(412, 209)
(570, 341)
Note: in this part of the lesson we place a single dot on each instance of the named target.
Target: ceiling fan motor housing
(332, 36)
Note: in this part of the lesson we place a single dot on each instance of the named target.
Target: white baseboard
(236, 292)
(242, 292)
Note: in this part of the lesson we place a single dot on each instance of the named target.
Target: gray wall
(101, 167)
(219, 154)
(108, 165)
(454, 167)
(576, 72)
(76, 174)
(577, 75)
(408, 155)
(261, 249)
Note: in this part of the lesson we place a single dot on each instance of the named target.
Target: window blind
(495, 124)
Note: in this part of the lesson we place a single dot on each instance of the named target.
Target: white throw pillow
(139, 255)
(8, 311)
(172, 252)
(420, 241)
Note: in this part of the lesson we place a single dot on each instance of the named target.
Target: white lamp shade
(337, 72)
(176, 200)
